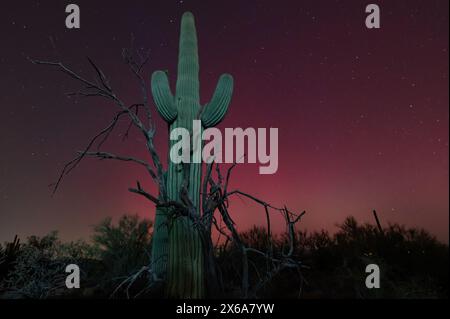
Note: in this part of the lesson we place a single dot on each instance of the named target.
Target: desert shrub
(39, 268)
(8, 255)
(123, 248)
(413, 263)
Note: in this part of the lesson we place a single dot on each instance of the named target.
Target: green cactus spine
(185, 270)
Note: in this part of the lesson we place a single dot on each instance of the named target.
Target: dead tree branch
(106, 155)
(217, 199)
(101, 87)
(380, 228)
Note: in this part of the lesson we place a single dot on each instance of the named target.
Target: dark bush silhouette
(122, 250)
(8, 256)
(38, 270)
(413, 263)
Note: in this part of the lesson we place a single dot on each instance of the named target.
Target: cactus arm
(163, 96)
(215, 110)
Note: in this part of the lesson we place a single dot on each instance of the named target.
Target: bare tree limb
(104, 90)
(69, 166)
(106, 155)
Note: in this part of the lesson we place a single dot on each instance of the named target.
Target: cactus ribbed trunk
(186, 273)
(185, 269)
(160, 244)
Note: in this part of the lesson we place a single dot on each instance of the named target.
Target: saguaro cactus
(186, 275)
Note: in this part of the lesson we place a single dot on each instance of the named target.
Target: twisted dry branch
(100, 87)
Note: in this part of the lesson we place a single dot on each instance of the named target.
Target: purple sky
(362, 114)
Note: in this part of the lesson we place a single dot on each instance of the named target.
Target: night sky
(362, 114)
